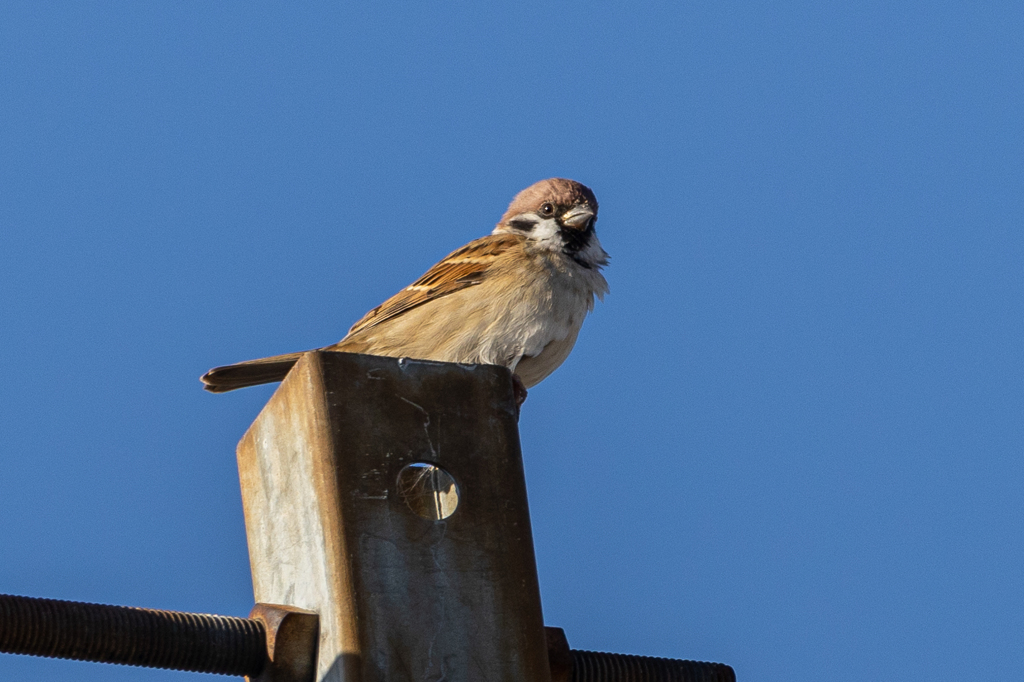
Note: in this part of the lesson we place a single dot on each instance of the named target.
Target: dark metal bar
(594, 666)
(238, 646)
(129, 636)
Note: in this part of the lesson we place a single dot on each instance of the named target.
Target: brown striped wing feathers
(461, 269)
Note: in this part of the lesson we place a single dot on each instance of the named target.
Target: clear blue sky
(790, 439)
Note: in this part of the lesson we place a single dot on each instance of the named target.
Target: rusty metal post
(388, 496)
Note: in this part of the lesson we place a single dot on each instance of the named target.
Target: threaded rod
(595, 666)
(130, 636)
(237, 646)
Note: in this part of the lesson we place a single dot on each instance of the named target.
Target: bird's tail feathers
(250, 373)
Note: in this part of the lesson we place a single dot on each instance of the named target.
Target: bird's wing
(461, 269)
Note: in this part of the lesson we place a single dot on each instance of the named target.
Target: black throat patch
(575, 241)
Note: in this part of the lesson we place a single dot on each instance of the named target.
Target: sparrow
(516, 297)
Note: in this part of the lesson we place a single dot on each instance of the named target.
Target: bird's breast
(544, 315)
(524, 315)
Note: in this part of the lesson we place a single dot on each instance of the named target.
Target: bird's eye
(547, 209)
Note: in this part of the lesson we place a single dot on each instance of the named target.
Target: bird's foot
(518, 392)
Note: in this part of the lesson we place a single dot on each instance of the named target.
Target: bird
(516, 297)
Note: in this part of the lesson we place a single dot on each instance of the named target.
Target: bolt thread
(131, 636)
(595, 666)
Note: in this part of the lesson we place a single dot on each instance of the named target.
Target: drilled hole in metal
(429, 490)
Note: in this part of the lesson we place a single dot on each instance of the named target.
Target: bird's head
(558, 214)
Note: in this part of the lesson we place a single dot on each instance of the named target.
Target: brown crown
(563, 193)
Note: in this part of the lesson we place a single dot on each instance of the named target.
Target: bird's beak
(577, 217)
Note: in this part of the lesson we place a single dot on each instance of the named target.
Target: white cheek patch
(547, 233)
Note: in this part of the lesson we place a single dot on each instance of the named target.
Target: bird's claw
(518, 392)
